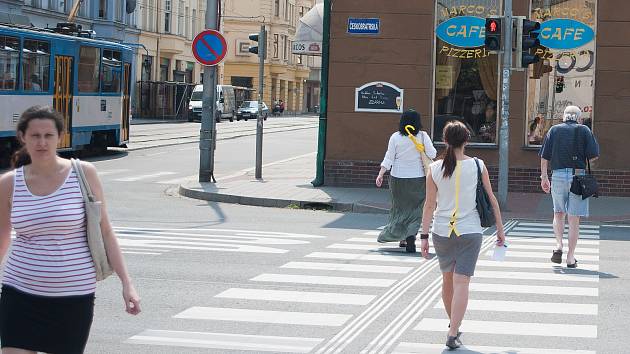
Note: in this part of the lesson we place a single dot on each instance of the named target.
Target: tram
(88, 81)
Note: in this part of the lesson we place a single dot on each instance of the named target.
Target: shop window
(35, 65)
(466, 75)
(566, 73)
(111, 70)
(89, 62)
(9, 61)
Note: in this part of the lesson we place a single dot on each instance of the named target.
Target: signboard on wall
(364, 25)
(380, 97)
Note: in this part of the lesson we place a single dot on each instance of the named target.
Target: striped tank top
(50, 254)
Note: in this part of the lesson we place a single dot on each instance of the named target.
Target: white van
(225, 104)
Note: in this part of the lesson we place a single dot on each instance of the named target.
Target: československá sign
(380, 97)
(364, 25)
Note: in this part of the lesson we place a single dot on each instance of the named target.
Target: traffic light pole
(207, 134)
(504, 132)
(262, 50)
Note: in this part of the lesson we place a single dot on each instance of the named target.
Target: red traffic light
(493, 26)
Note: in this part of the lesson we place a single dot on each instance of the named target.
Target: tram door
(126, 104)
(62, 99)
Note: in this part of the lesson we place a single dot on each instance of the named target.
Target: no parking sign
(209, 47)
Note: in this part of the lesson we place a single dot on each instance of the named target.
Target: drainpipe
(323, 105)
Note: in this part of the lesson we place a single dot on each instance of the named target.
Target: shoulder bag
(486, 214)
(93, 220)
(426, 160)
(585, 185)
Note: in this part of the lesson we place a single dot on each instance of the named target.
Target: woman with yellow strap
(457, 232)
(407, 180)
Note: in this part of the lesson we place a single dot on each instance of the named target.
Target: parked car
(249, 109)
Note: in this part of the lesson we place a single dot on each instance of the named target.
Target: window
(89, 62)
(563, 77)
(35, 65)
(286, 9)
(466, 75)
(167, 16)
(277, 8)
(118, 10)
(180, 18)
(194, 21)
(164, 64)
(187, 23)
(9, 59)
(275, 45)
(102, 9)
(285, 51)
(111, 70)
(147, 64)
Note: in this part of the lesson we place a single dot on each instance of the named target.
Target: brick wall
(363, 173)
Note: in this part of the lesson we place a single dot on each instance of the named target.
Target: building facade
(287, 76)
(432, 53)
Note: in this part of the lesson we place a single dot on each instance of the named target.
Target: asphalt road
(221, 278)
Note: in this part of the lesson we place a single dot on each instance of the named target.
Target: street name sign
(364, 25)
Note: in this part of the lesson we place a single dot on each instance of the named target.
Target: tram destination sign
(380, 97)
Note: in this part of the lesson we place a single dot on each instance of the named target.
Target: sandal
(557, 256)
(402, 243)
(452, 342)
(411, 244)
(574, 265)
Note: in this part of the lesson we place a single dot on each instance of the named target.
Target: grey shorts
(458, 254)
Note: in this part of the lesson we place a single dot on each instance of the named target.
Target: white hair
(572, 113)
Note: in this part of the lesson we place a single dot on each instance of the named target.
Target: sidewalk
(287, 184)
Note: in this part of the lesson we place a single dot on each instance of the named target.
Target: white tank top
(467, 218)
(50, 255)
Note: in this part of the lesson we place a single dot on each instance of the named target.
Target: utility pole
(262, 51)
(504, 132)
(207, 134)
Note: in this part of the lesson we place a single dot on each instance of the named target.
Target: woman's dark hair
(21, 157)
(455, 136)
(410, 117)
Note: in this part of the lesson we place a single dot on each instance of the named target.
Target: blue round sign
(463, 31)
(209, 47)
(564, 33)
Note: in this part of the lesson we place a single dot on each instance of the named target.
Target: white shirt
(468, 221)
(402, 157)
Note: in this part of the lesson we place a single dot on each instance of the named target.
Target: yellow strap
(452, 227)
(419, 146)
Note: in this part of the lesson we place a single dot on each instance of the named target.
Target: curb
(279, 203)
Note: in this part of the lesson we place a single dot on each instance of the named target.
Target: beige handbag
(93, 219)
(426, 160)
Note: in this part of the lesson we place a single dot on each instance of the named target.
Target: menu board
(379, 97)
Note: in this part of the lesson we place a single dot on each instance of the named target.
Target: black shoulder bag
(585, 185)
(486, 215)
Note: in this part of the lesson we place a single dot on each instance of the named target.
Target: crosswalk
(335, 294)
(525, 300)
(158, 177)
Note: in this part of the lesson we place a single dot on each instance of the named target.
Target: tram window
(89, 62)
(9, 61)
(35, 65)
(111, 70)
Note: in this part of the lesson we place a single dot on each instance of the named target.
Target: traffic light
(527, 32)
(494, 40)
(559, 84)
(260, 49)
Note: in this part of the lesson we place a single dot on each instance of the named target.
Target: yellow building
(285, 74)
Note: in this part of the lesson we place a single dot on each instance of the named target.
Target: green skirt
(405, 215)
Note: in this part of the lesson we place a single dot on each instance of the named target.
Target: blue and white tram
(88, 81)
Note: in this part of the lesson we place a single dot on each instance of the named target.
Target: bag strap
(574, 145)
(452, 223)
(83, 183)
(479, 181)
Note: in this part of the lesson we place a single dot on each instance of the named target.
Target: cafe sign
(560, 33)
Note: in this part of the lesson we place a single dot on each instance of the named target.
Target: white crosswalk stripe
(521, 298)
(296, 296)
(263, 316)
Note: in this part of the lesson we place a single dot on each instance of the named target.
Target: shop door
(62, 99)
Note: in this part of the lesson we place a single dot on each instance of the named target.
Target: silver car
(249, 110)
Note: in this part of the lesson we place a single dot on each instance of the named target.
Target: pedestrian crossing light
(559, 84)
(260, 48)
(527, 33)
(494, 40)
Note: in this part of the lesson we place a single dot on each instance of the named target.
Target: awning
(308, 36)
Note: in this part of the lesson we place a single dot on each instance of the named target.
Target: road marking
(550, 225)
(533, 289)
(343, 246)
(236, 231)
(324, 280)
(247, 170)
(172, 245)
(296, 296)
(592, 278)
(545, 255)
(362, 239)
(138, 252)
(111, 172)
(225, 341)
(529, 307)
(208, 239)
(535, 265)
(515, 246)
(427, 348)
(348, 267)
(372, 233)
(549, 241)
(512, 328)
(177, 180)
(547, 235)
(534, 231)
(141, 177)
(262, 316)
(391, 257)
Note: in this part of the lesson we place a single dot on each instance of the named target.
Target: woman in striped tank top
(48, 282)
